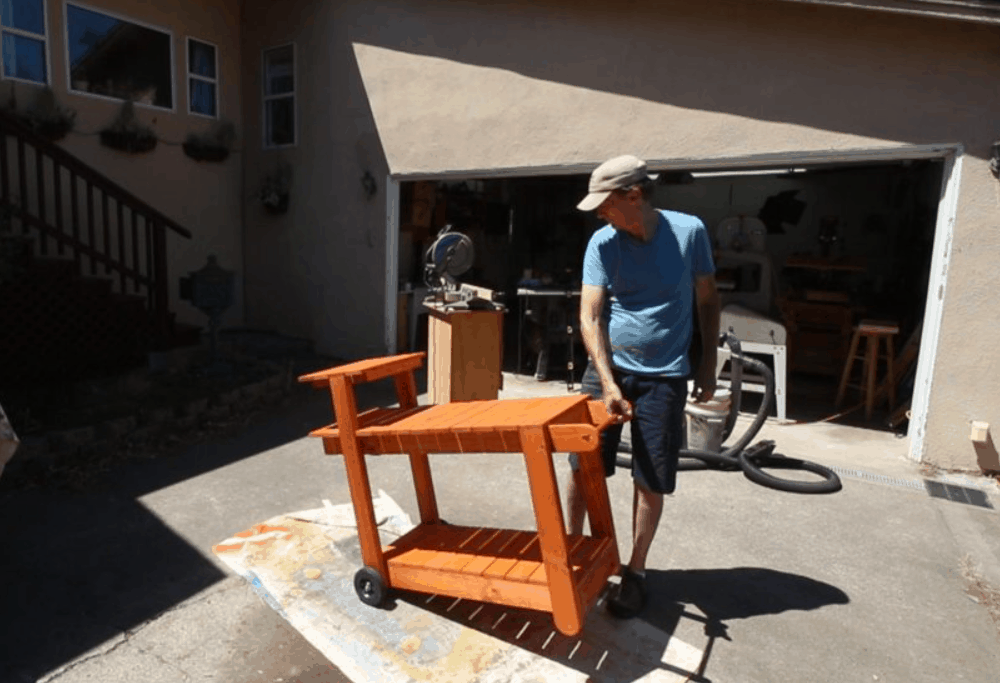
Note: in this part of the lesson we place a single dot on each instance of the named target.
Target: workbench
(545, 570)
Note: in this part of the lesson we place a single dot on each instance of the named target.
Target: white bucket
(706, 422)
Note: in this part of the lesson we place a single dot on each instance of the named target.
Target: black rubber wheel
(753, 469)
(370, 587)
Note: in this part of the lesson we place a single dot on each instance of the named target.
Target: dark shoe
(629, 598)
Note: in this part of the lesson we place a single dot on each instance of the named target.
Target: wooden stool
(873, 331)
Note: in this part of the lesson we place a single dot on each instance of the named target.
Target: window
(22, 32)
(279, 96)
(203, 78)
(117, 58)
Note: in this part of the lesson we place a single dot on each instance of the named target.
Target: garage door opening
(816, 247)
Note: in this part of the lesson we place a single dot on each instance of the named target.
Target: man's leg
(647, 507)
(656, 428)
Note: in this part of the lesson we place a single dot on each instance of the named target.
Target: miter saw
(451, 255)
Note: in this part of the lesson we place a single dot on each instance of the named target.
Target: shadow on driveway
(612, 650)
(84, 564)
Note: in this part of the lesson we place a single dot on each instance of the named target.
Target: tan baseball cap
(613, 174)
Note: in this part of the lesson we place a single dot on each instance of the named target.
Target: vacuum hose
(755, 459)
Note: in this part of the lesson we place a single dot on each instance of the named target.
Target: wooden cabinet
(464, 350)
(819, 335)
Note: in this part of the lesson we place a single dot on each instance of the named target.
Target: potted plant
(213, 144)
(127, 134)
(46, 117)
(274, 190)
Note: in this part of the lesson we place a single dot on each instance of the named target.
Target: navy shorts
(657, 426)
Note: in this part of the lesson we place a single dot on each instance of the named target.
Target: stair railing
(84, 215)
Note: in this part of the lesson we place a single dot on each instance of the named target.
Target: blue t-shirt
(650, 289)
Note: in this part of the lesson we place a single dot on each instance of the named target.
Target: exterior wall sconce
(369, 184)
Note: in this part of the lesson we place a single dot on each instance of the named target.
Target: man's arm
(707, 297)
(594, 331)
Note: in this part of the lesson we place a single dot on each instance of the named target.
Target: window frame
(28, 34)
(121, 17)
(198, 77)
(265, 98)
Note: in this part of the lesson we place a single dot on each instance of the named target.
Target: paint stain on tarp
(472, 653)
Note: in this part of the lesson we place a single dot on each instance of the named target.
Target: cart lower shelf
(500, 566)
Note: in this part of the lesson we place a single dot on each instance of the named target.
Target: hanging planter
(276, 204)
(45, 117)
(274, 190)
(213, 145)
(127, 134)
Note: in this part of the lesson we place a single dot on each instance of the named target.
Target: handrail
(88, 173)
(131, 251)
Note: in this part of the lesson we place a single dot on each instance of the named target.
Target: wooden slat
(435, 422)
(573, 544)
(90, 226)
(22, 176)
(106, 222)
(434, 542)
(480, 588)
(461, 543)
(74, 214)
(58, 201)
(4, 168)
(43, 243)
(119, 214)
(135, 247)
(508, 557)
(150, 262)
(528, 562)
(489, 553)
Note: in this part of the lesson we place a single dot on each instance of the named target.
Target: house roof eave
(978, 11)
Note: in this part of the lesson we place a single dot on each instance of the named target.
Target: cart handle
(368, 370)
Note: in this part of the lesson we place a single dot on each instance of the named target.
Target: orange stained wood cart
(547, 570)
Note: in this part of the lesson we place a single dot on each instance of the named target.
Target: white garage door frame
(949, 154)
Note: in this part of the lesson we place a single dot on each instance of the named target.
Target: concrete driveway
(879, 582)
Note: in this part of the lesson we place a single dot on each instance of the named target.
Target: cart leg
(357, 477)
(567, 608)
(595, 492)
(406, 394)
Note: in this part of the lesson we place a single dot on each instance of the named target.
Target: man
(642, 274)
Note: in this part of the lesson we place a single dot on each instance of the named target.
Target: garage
(811, 244)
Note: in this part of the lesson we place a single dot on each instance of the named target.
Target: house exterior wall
(318, 270)
(418, 89)
(205, 198)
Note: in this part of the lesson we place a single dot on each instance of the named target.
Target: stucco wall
(317, 271)
(203, 197)
(461, 86)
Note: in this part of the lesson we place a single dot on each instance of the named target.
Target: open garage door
(847, 237)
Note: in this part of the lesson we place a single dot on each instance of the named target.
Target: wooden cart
(546, 570)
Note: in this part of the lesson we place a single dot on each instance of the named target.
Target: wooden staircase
(88, 294)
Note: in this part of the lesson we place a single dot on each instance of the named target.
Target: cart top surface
(493, 415)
